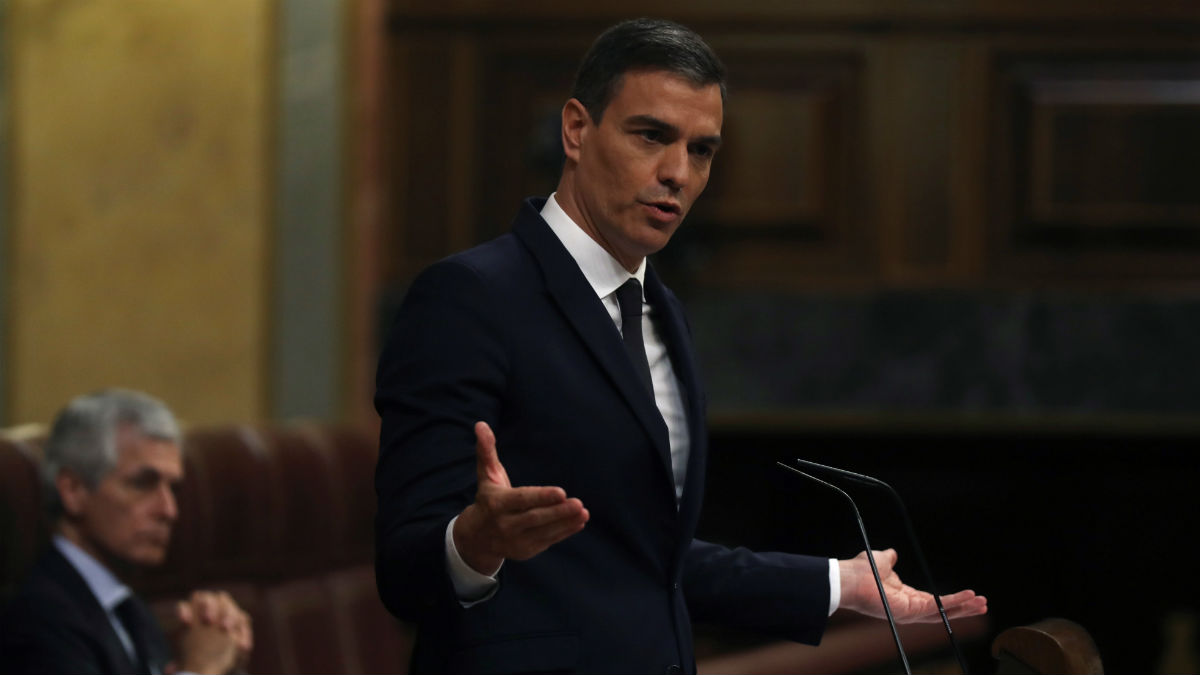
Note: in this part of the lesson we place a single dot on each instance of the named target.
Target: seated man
(111, 463)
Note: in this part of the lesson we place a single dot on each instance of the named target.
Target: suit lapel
(673, 328)
(61, 572)
(585, 312)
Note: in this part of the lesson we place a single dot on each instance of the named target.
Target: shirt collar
(600, 269)
(105, 586)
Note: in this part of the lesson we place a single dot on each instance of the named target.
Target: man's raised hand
(860, 594)
(507, 522)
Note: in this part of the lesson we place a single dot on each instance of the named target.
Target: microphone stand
(912, 538)
(870, 558)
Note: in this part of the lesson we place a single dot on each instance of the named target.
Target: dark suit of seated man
(558, 349)
(111, 463)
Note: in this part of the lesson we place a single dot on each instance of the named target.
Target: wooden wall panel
(917, 100)
(870, 145)
(524, 84)
(422, 183)
(1115, 150)
(1097, 159)
(781, 205)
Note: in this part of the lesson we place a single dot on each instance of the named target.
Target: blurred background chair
(1049, 646)
(280, 516)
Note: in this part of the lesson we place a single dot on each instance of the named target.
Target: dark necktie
(629, 297)
(134, 617)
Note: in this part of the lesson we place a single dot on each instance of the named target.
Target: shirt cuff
(835, 585)
(470, 586)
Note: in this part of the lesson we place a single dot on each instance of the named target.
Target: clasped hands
(216, 636)
(519, 523)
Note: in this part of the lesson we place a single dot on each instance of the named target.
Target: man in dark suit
(542, 346)
(110, 465)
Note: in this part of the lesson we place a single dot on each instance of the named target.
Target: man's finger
(538, 539)
(205, 605)
(554, 531)
(485, 443)
(487, 459)
(955, 599)
(517, 500)
(534, 519)
(957, 605)
(243, 634)
(974, 606)
(184, 611)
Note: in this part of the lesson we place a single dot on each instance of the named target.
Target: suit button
(675, 587)
(674, 670)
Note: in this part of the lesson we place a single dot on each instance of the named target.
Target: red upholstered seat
(22, 521)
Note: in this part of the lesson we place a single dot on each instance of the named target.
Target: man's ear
(575, 126)
(73, 492)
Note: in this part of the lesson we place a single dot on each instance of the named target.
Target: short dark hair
(643, 44)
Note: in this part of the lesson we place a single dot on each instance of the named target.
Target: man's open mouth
(664, 207)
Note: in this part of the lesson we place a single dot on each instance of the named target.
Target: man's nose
(167, 506)
(674, 169)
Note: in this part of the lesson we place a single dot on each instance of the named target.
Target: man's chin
(148, 556)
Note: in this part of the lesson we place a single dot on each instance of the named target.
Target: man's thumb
(485, 449)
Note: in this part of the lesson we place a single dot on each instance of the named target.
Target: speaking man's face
(642, 167)
(127, 517)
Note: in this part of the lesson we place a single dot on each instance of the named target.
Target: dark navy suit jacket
(56, 625)
(511, 333)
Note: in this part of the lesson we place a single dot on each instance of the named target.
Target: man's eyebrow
(147, 472)
(651, 121)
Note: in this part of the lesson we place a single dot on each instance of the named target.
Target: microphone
(870, 558)
(912, 538)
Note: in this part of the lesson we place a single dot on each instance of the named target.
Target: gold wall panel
(141, 196)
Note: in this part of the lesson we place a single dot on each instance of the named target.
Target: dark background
(1096, 528)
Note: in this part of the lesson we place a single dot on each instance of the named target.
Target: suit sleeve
(779, 594)
(36, 643)
(442, 369)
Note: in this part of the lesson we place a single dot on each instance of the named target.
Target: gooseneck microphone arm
(912, 538)
(870, 558)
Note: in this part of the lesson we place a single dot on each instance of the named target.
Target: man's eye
(702, 151)
(144, 481)
(651, 135)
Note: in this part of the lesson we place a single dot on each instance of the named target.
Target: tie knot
(629, 297)
(127, 610)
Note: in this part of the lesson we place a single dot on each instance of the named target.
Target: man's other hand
(507, 522)
(218, 610)
(206, 649)
(860, 594)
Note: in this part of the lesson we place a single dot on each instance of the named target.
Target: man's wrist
(835, 585)
(462, 528)
(471, 587)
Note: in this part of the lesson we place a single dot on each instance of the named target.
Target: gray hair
(83, 438)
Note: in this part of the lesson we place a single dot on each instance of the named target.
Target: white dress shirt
(606, 275)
